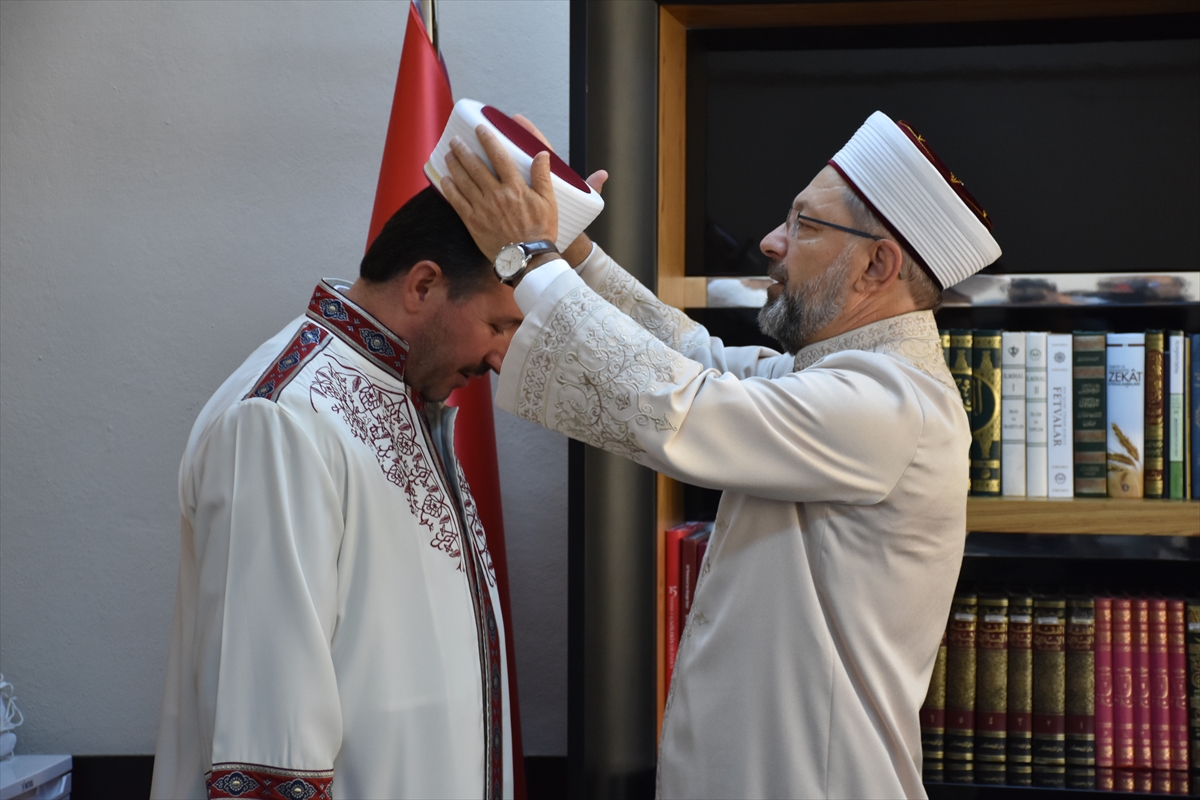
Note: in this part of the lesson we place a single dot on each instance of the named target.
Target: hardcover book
(1160, 688)
(985, 412)
(1020, 689)
(1122, 655)
(1177, 676)
(1104, 683)
(1174, 457)
(1049, 682)
(1193, 667)
(960, 688)
(933, 719)
(958, 356)
(1012, 414)
(991, 690)
(1060, 442)
(945, 334)
(1126, 398)
(1153, 463)
(1036, 464)
(1081, 683)
(1194, 406)
(1090, 416)
(1142, 732)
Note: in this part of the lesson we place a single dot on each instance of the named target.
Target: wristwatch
(514, 259)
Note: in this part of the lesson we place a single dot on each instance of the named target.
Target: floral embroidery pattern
(600, 386)
(669, 325)
(384, 420)
(258, 782)
(912, 338)
(475, 525)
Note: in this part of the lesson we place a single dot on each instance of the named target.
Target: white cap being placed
(578, 204)
(891, 167)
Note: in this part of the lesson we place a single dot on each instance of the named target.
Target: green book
(984, 413)
(1019, 745)
(991, 690)
(1176, 368)
(958, 358)
(945, 334)
(1090, 418)
(1154, 414)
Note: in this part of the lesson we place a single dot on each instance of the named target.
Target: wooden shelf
(1098, 515)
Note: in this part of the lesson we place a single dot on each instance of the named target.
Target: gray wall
(174, 177)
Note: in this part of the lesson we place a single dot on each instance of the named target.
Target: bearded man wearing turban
(844, 461)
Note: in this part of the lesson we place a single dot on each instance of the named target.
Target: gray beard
(794, 317)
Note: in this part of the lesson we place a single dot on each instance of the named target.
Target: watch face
(510, 261)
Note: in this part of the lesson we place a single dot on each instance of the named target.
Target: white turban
(892, 168)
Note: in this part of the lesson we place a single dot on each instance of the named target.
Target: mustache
(474, 372)
(777, 272)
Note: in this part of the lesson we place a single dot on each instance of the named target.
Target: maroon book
(1177, 676)
(1104, 683)
(1160, 688)
(1143, 738)
(689, 566)
(1122, 655)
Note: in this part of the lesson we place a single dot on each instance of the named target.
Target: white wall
(174, 177)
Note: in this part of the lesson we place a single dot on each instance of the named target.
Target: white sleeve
(673, 327)
(268, 528)
(844, 433)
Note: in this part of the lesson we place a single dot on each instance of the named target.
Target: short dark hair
(427, 228)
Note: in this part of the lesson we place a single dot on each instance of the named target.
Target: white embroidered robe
(838, 540)
(333, 622)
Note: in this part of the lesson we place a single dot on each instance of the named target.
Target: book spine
(1177, 677)
(1153, 462)
(687, 577)
(1193, 669)
(1143, 738)
(959, 357)
(945, 335)
(1104, 682)
(1049, 681)
(1160, 688)
(674, 537)
(1081, 682)
(1194, 410)
(1035, 415)
(1174, 456)
(991, 690)
(1090, 416)
(1122, 655)
(1060, 445)
(1189, 425)
(985, 413)
(933, 719)
(1126, 400)
(960, 688)
(1020, 689)
(1012, 414)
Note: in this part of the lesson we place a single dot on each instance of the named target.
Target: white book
(1035, 415)
(1012, 414)
(1125, 371)
(1060, 449)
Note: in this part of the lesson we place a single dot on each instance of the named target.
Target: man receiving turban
(838, 541)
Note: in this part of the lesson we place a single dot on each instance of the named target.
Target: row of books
(1088, 414)
(1043, 690)
(685, 546)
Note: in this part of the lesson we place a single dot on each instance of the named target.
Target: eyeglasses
(793, 217)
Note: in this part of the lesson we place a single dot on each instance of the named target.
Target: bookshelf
(681, 283)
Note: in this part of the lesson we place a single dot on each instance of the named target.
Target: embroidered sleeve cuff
(256, 781)
(535, 282)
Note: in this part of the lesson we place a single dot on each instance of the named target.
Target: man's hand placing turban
(500, 209)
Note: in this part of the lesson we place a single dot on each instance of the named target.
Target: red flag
(420, 108)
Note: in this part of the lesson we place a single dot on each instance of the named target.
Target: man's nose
(774, 244)
(496, 357)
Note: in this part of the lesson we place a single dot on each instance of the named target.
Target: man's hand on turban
(500, 209)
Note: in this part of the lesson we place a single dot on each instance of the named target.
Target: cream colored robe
(838, 541)
(335, 588)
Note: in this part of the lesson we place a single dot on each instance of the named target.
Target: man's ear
(422, 286)
(883, 269)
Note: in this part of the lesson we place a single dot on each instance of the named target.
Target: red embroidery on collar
(307, 342)
(358, 329)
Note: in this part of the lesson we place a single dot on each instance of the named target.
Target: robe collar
(912, 338)
(358, 329)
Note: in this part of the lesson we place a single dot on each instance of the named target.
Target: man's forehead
(825, 190)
